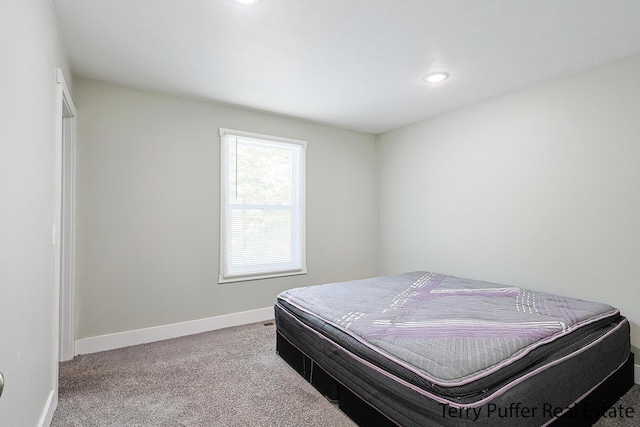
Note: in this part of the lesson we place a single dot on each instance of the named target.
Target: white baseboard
(636, 373)
(174, 330)
(49, 409)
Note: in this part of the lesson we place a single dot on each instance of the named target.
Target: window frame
(298, 231)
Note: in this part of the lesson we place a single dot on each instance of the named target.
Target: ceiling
(355, 64)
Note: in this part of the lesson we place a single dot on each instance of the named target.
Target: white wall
(539, 188)
(30, 51)
(148, 208)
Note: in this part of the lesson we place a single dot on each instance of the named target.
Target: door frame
(63, 234)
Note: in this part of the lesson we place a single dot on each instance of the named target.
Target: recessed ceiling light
(437, 77)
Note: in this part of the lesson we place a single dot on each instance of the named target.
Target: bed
(423, 348)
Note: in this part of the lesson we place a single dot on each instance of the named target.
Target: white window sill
(258, 276)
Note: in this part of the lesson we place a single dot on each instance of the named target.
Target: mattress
(419, 345)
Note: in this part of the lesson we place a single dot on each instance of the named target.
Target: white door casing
(62, 236)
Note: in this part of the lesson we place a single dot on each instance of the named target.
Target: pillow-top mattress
(455, 337)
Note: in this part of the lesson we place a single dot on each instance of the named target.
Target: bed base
(362, 413)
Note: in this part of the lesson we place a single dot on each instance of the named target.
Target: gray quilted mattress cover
(451, 335)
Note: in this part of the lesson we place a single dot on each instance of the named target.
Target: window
(262, 231)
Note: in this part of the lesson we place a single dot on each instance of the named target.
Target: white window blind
(262, 206)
